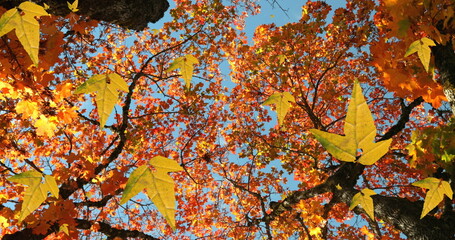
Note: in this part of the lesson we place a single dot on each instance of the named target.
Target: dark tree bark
(131, 14)
(444, 60)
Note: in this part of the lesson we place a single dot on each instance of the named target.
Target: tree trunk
(131, 14)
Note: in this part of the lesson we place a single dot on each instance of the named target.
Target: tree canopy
(335, 126)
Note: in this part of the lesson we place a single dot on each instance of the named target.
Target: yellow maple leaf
(437, 189)
(315, 231)
(45, 126)
(360, 132)
(27, 109)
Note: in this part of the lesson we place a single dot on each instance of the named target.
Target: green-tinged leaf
(282, 104)
(8, 21)
(36, 193)
(341, 147)
(106, 86)
(403, 27)
(363, 198)
(437, 189)
(422, 47)
(281, 59)
(360, 132)
(186, 66)
(27, 178)
(73, 6)
(158, 184)
(51, 185)
(26, 26)
(161, 191)
(139, 179)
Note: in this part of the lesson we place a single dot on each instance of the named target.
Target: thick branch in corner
(113, 232)
(445, 61)
(130, 14)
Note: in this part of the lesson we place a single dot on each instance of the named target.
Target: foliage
(359, 133)
(204, 158)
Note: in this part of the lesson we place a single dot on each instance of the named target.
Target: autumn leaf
(359, 130)
(437, 189)
(64, 228)
(36, 193)
(105, 86)
(282, 103)
(363, 198)
(27, 109)
(22, 19)
(45, 126)
(185, 64)
(73, 6)
(422, 47)
(158, 184)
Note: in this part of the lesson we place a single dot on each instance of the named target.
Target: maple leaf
(158, 184)
(22, 19)
(422, 47)
(359, 130)
(27, 109)
(282, 103)
(363, 198)
(185, 64)
(106, 86)
(64, 228)
(437, 189)
(36, 193)
(73, 6)
(45, 127)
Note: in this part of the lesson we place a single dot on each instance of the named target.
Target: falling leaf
(106, 86)
(73, 6)
(359, 130)
(282, 103)
(437, 189)
(158, 184)
(422, 47)
(22, 19)
(36, 193)
(363, 198)
(185, 64)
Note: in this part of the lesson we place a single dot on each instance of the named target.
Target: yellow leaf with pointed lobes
(360, 132)
(437, 189)
(363, 198)
(282, 101)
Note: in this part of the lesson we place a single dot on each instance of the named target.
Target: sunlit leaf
(359, 130)
(73, 6)
(437, 189)
(64, 228)
(363, 198)
(44, 126)
(139, 179)
(423, 50)
(186, 66)
(158, 184)
(22, 19)
(105, 86)
(37, 191)
(282, 101)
